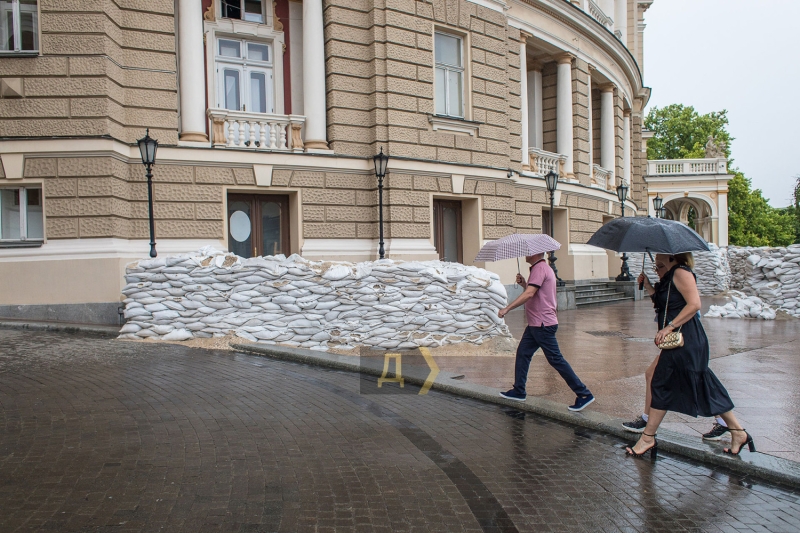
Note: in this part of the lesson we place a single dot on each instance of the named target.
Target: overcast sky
(739, 55)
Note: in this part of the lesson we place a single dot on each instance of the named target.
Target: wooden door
(447, 234)
(258, 224)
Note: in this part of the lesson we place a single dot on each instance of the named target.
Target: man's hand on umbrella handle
(520, 281)
(641, 278)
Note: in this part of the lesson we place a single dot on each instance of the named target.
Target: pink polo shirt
(541, 309)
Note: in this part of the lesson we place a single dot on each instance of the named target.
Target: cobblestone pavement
(611, 346)
(108, 436)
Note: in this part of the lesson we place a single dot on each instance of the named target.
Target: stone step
(592, 286)
(594, 292)
(598, 297)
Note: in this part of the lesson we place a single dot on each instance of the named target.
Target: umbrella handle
(519, 269)
(644, 259)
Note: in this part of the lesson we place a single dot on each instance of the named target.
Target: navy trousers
(544, 337)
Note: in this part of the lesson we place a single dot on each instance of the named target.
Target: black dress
(682, 381)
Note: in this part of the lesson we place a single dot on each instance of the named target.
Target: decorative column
(591, 129)
(192, 72)
(621, 19)
(564, 113)
(719, 224)
(314, 106)
(607, 144)
(626, 146)
(523, 97)
(535, 119)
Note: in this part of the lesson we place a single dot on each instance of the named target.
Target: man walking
(539, 298)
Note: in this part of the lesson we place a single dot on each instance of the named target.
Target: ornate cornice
(572, 16)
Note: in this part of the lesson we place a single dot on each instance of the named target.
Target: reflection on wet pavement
(99, 435)
(611, 346)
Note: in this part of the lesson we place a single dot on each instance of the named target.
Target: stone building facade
(268, 114)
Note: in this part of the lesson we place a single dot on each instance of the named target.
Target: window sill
(21, 53)
(21, 244)
(455, 125)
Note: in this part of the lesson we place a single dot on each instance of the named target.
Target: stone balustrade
(601, 177)
(263, 131)
(542, 162)
(676, 167)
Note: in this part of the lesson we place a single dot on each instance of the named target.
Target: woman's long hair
(685, 258)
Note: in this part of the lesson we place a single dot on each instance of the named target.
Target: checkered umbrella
(517, 245)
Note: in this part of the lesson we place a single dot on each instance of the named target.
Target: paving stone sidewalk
(611, 346)
(98, 435)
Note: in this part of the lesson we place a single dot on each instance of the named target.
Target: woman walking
(681, 380)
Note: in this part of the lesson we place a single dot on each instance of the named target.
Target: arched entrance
(695, 212)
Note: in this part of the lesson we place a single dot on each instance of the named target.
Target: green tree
(752, 221)
(794, 209)
(680, 132)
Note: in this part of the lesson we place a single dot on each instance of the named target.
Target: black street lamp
(381, 160)
(622, 194)
(657, 202)
(551, 182)
(148, 147)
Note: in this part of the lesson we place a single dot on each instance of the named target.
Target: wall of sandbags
(711, 269)
(771, 274)
(312, 304)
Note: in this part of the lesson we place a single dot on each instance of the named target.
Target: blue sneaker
(581, 402)
(511, 395)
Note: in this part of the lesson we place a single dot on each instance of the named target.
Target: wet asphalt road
(106, 436)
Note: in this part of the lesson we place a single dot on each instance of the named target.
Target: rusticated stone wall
(618, 134)
(585, 217)
(639, 163)
(549, 93)
(107, 68)
(498, 206)
(339, 205)
(528, 209)
(106, 197)
(380, 74)
(580, 120)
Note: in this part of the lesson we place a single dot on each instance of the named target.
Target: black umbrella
(648, 234)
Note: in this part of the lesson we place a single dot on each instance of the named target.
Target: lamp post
(622, 194)
(657, 202)
(380, 160)
(551, 182)
(147, 147)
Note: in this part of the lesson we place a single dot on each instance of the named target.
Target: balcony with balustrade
(686, 167)
(602, 178)
(542, 161)
(259, 131)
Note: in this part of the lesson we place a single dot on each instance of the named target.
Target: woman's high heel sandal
(652, 449)
(750, 444)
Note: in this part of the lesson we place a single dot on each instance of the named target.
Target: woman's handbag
(675, 339)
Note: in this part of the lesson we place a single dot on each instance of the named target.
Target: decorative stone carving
(297, 139)
(219, 131)
(277, 25)
(210, 14)
(715, 149)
